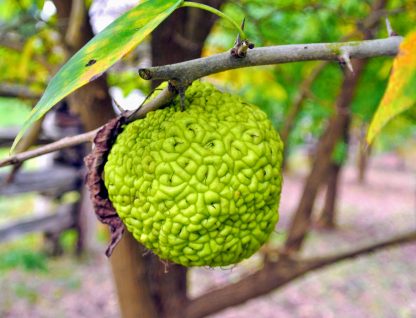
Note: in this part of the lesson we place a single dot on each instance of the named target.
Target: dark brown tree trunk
(363, 159)
(327, 219)
(91, 102)
(301, 221)
(181, 37)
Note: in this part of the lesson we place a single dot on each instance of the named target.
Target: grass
(24, 253)
(27, 259)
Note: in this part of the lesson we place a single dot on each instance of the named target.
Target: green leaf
(101, 52)
(400, 94)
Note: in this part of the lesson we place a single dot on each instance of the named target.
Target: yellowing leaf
(400, 94)
(25, 58)
(101, 52)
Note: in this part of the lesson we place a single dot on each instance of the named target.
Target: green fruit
(202, 186)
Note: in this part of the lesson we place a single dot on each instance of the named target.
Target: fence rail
(61, 219)
(52, 182)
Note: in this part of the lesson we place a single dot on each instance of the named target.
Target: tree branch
(28, 140)
(274, 275)
(191, 70)
(60, 144)
(186, 72)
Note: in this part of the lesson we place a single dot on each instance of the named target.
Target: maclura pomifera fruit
(198, 187)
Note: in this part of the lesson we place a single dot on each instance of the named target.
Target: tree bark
(93, 103)
(327, 219)
(328, 216)
(275, 275)
(181, 37)
(301, 221)
(131, 279)
(364, 152)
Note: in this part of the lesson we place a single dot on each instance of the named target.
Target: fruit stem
(217, 12)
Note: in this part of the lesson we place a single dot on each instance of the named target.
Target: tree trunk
(146, 287)
(181, 37)
(364, 152)
(328, 215)
(93, 103)
(132, 283)
(327, 219)
(301, 221)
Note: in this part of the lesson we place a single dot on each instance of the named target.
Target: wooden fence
(51, 182)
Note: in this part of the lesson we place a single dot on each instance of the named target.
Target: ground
(381, 284)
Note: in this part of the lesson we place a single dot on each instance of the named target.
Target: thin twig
(60, 144)
(164, 97)
(390, 30)
(345, 58)
(28, 140)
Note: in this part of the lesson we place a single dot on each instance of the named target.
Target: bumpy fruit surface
(202, 186)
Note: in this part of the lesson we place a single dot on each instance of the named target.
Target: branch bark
(60, 144)
(363, 155)
(193, 69)
(275, 275)
(327, 219)
(28, 140)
